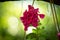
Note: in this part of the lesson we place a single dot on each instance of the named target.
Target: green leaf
(31, 36)
(34, 31)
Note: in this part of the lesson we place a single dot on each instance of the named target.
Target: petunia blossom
(30, 17)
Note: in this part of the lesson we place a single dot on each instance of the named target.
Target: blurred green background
(11, 27)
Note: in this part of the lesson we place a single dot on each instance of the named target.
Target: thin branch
(33, 2)
(54, 15)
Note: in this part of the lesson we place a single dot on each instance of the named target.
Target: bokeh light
(13, 25)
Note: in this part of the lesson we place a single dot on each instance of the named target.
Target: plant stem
(33, 2)
(24, 35)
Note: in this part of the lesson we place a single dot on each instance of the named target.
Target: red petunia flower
(30, 17)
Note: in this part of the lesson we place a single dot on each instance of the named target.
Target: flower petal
(30, 8)
(41, 16)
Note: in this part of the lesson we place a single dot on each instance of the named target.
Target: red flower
(41, 16)
(59, 35)
(30, 17)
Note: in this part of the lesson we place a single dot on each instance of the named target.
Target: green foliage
(37, 34)
(31, 36)
(42, 34)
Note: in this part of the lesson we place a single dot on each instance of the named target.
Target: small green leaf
(34, 30)
(31, 36)
(39, 23)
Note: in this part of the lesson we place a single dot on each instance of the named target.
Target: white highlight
(30, 28)
(13, 25)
